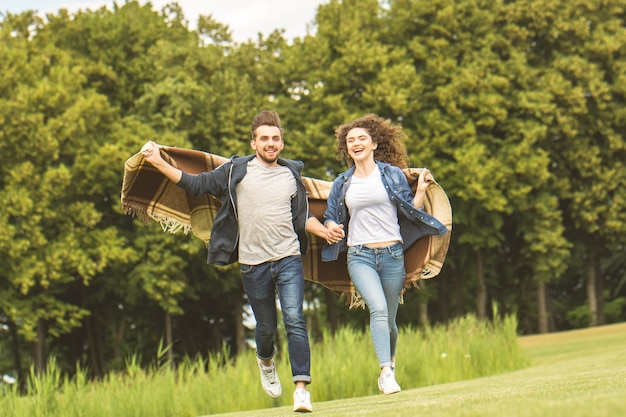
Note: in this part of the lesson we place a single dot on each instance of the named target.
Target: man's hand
(334, 232)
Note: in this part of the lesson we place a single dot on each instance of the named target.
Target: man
(262, 223)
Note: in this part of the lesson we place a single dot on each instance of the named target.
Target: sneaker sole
(387, 393)
(303, 409)
(392, 392)
(273, 395)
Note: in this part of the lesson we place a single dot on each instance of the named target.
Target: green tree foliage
(55, 239)
(517, 107)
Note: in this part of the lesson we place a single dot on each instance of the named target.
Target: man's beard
(265, 159)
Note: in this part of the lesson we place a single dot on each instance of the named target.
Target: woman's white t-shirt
(373, 217)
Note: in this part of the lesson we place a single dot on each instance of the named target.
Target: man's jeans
(261, 282)
(378, 275)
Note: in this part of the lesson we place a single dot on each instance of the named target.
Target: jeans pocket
(396, 251)
(245, 269)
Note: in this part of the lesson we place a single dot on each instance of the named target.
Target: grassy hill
(579, 373)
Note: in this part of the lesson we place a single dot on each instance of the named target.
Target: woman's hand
(334, 232)
(424, 180)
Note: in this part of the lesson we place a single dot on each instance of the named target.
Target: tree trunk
(331, 311)
(39, 347)
(169, 340)
(481, 296)
(422, 305)
(17, 359)
(215, 336)
(117, 329)
(313, 324)
(443, 302)
(91, 343)
(458, 294)
(592, 297)
(542, 311)
(92, 348)
(551, 320)
(524, 307)
(240, 330)
(600, 317)
(189, 336)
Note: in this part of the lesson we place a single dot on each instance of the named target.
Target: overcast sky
(245, 18)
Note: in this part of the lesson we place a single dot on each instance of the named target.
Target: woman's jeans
(261, 282)
(378, 275)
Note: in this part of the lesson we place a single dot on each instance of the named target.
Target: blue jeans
(378, 275)
(261, 283)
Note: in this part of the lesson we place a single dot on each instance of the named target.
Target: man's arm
(329, 234)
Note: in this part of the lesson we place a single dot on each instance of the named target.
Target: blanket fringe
(427, 273)
(167, 223)
(355, 300)
(137, 211)
(172, 226)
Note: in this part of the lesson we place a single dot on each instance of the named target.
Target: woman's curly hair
(389, 139)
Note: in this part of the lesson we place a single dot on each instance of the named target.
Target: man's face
(267, 144)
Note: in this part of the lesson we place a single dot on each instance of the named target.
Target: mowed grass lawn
(579, 373)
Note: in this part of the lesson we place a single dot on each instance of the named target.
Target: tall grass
(343, 366)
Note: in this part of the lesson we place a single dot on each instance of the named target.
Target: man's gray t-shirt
(266, 230)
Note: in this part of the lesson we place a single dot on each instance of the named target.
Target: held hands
(334, 232)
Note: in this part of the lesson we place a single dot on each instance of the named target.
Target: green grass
(343, 366)
(572, 374)
(469, 368)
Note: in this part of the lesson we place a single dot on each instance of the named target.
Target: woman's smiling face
(360, 145)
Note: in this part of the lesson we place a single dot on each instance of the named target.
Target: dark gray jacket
(221, 182)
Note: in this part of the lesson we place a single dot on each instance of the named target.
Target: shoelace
(270, 374)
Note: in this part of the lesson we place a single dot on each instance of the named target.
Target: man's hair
(266, 118)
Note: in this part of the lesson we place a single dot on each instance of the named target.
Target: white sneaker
(387, 383)
(302, 401)
(269, 379)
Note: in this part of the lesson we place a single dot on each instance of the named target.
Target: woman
(373, 204)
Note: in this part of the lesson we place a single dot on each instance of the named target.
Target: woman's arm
(331, 220)
(423, 181)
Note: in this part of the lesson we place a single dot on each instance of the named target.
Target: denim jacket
(414, 223)
(221, 182)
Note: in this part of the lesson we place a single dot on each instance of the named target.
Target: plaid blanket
(149, 195)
